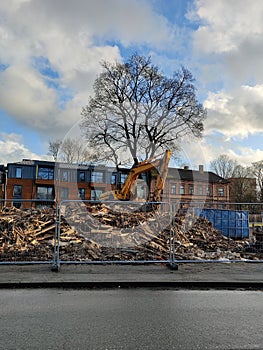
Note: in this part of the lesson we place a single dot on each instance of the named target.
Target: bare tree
(243, 186)
(224, 166)
(53, 148)
(71, 150)
(242, 179)
(138, 111)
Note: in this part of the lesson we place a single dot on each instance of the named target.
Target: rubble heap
(196, 238)
(24, 234)
(100, 233)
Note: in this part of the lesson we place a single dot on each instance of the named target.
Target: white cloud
(226, 24)
(212, 146)
(229, 42)
(12, 149)
(230, 38)
(238, 113)
(248, 155)
(23, 93)
(72, 36)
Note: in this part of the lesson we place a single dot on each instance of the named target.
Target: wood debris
(101, 233)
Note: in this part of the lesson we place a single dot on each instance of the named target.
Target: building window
(200, 190)
(191, 189)
(220, 192)
(45, 173)
(97, 176)
(18, 173)
(45, 192)
(123, 178)
(17, 193)
(82, 193)
(113, 179)
(95, 194)
(182, 189)
(173, 188)
(208, 191)
(64, 192)
(65, 175)
(82, 176)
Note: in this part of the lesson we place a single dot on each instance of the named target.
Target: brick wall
(27, 190)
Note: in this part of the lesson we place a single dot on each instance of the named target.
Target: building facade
(2, 181)
(185, 186)
(47, 181)
(44, 181)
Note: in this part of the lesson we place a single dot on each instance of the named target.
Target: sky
(51, 53)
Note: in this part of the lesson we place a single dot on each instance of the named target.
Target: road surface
(133, 319)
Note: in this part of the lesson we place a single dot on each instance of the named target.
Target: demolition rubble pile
(101, 233)
(24, 234)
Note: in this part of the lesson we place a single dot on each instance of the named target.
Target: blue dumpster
(232, 223)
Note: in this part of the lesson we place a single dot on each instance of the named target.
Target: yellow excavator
(126, 193)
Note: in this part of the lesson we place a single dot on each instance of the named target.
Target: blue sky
(50, 54)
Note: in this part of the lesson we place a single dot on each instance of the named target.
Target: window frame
(173, 188)
(65, 175)
(200, 191)
(17, 195)
(81, 195)
(123, 177)
(18, 172)
(220, 191)
(95, 194)
(191, 189)
(208, 191)
(49, 171)
(48, 196)
(82, 179)
(182, 189)
(97, 176)
(113, 179)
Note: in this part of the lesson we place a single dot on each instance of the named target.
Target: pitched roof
(195, 175)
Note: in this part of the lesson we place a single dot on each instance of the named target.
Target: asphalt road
(133, 319)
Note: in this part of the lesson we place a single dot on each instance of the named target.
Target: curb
(135, 284)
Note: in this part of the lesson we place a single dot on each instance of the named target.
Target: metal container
(232, 223)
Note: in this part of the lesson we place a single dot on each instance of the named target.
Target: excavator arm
(127, 191)
(161, 177)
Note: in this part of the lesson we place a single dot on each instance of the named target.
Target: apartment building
(42, 181)
(2, 181)
(46, 181)
(186, 186)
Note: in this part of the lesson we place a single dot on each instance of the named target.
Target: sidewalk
(198, 275)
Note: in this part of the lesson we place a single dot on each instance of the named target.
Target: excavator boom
(127, 191)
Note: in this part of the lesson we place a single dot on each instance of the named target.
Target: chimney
(201, 169)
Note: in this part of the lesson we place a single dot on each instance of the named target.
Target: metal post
(172, 263)
(56, 264)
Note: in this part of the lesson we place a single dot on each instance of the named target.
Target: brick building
(184, 186)
(47, 181)
(2, 182)
(42, 181)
